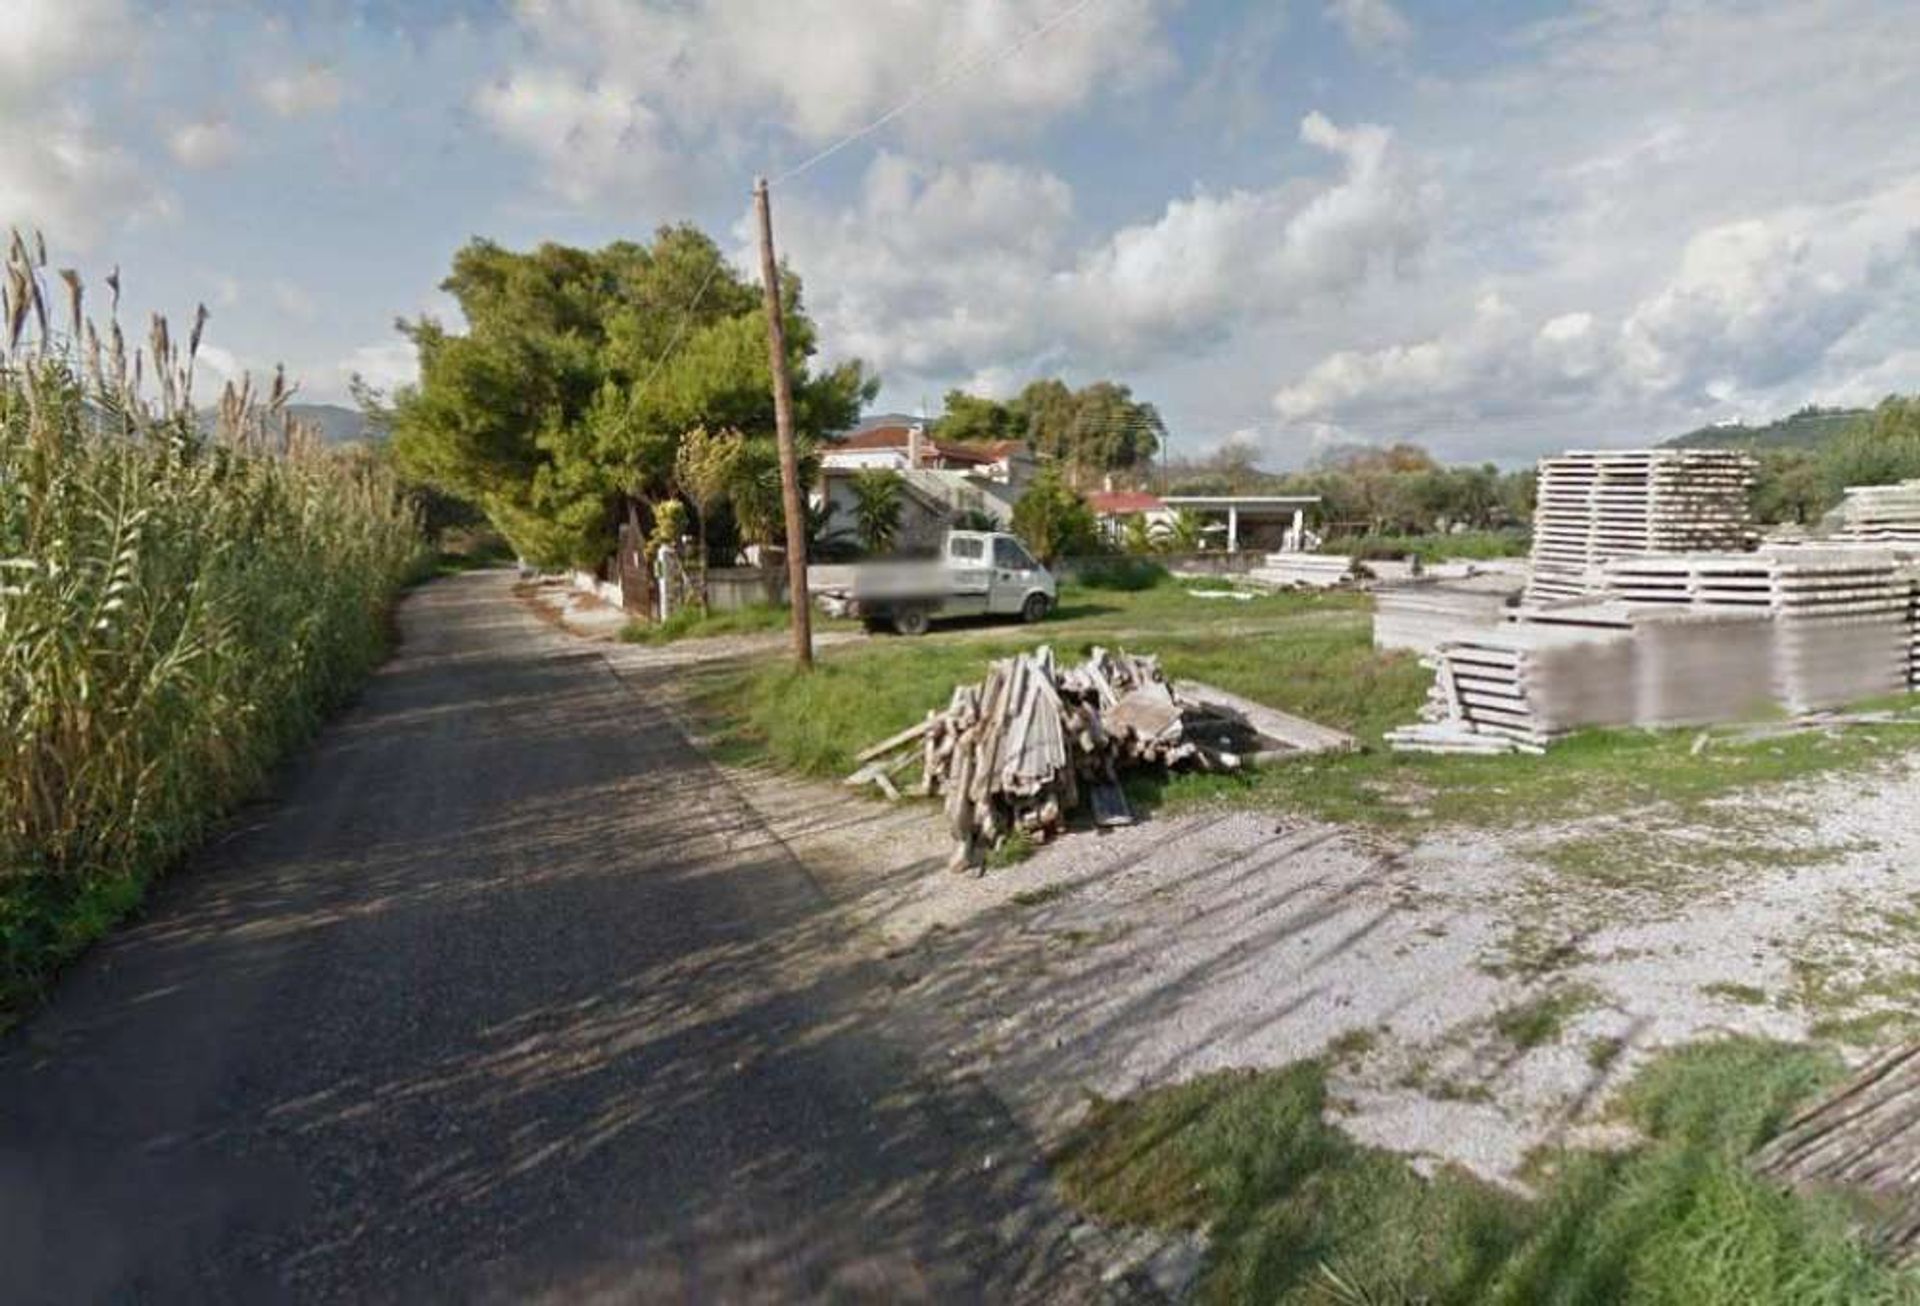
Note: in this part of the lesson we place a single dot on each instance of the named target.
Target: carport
(1253, 509)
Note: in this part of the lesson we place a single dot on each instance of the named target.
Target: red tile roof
(895, 437)
(1121, 503)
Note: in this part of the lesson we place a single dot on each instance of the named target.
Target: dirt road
(504, 994)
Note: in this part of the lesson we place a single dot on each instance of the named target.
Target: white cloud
(969, 270)
(59, 174)
(58, 170)
(313, 89)
(1372, 26)
(1757, 315)
(203, 144)
(293, 301)
(42, 42)
(647, 73)
(385, 365)
(1211, 262)
(589, 135)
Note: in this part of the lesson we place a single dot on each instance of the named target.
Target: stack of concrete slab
(1695, 666)
(1884, 514)
(1422, 615)
(1591, 507)
(1841, 618)
(1293, 570)
(1520, 687)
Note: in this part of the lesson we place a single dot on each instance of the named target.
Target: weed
(1745, 994)
(1285, 1195)
(1011, 851)
(1540, 1019)
(1043, 895)
(1353, 1045)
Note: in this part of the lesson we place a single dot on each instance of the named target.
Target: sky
(1498, 229)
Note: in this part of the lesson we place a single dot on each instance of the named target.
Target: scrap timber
(1034, 741)
(1863, 1139)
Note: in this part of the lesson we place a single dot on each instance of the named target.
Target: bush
(1127, 575)
(1054, 521)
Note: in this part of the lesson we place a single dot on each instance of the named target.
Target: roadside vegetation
(177, 608)
(1295, 1211)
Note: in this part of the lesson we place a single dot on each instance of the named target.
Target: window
(1009, 555)
(971, 550)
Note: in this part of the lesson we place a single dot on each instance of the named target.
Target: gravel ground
(1113, 963)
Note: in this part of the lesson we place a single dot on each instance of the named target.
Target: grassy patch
(692, 623)
(1433, 548)
(1747, 995)
(1043, 895)
(1294, 1206)
(1310, 654)
(1539, 1020)
(1011, 851)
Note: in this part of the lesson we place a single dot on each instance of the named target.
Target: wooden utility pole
(799, 603)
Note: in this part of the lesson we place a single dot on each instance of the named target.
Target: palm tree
(876, 507)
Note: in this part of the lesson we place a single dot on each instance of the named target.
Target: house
(1114, 509)
(943, 479)
(907, 447)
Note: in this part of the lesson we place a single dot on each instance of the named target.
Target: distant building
(1114, 508)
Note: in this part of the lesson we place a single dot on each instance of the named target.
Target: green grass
(1298, 1212)
(1310, 654)
(692, 623)
(1538, 1020)
(1433, 548)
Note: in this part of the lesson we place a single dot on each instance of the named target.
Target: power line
(686, 320)
(938, 84)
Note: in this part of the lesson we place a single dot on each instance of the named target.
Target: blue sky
(1498, 229)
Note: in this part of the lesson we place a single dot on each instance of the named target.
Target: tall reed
(178, 605)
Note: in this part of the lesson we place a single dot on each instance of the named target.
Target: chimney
(913, 446)
(1106, 482)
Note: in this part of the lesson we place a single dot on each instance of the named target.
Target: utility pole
(799, 603)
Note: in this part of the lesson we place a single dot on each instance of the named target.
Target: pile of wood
(1593, 507)
(1034, 741)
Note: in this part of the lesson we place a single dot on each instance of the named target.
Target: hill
(1809, 428)
(337, 423)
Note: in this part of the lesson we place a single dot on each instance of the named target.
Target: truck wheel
(910, 621)
(1034, 609)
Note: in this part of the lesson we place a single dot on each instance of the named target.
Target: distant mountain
(870, 420)
(338, 424)
(1807, 429)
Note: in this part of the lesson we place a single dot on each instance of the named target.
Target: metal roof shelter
(1254, 507)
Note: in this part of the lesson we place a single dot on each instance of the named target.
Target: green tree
(1054, 520)
(561, 408)
(876, 507)
(1879, 449)
(972, 418)
(1097, 430)
(1790, 487)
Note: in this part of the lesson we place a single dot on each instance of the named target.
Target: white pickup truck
(978, 573)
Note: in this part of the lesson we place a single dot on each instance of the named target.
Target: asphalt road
(502, 995)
